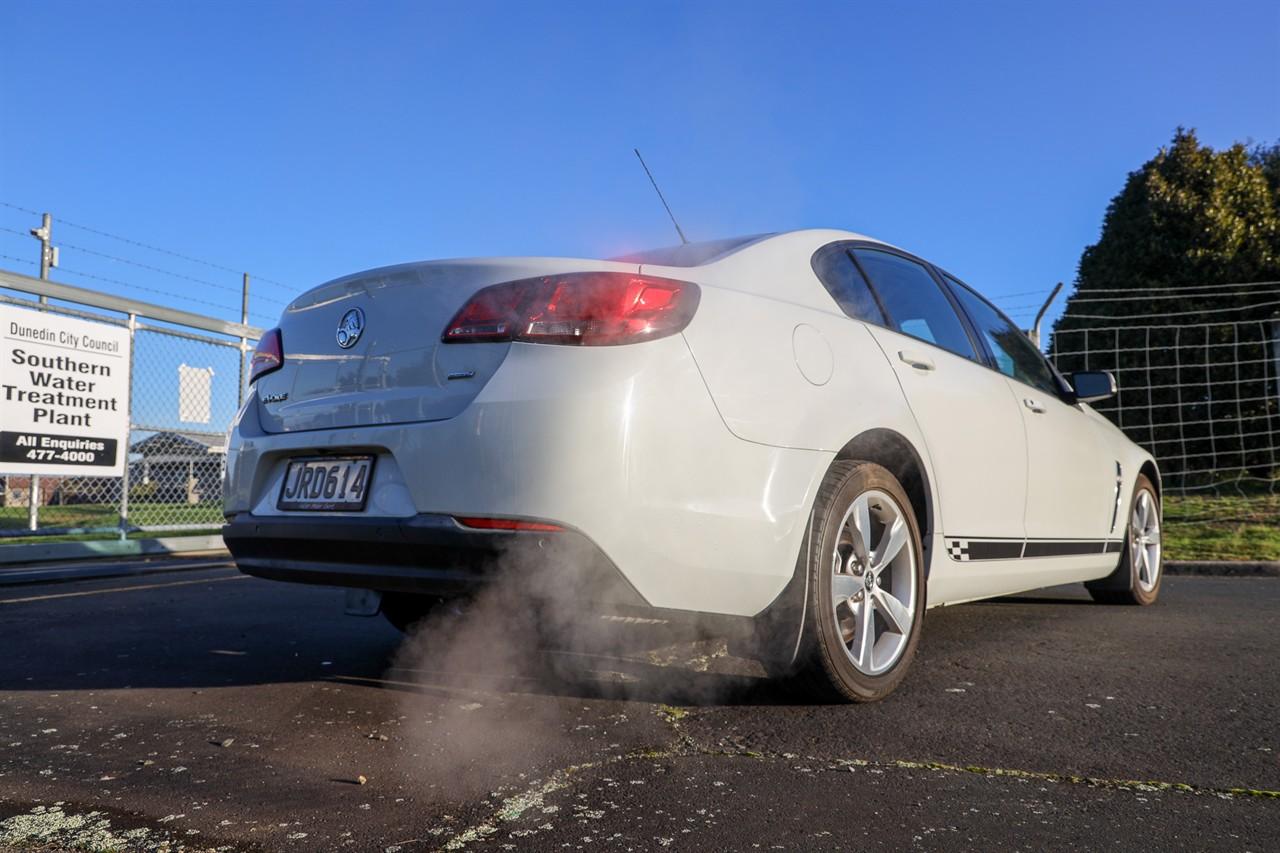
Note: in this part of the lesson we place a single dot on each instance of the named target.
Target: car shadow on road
(201, 648)
(662, 687)
(189, 642)
(1040, 600)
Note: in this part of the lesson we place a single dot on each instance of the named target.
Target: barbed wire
(140, 265)
(1043, 294)
(1184, 288)
(1027, 310)
(1196, 313)
(168, 293)
(150, 247)
(141, 287)
(1178, 296)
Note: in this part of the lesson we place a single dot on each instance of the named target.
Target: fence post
(244, 342)
(1275, 350)
(1034, 332)
(43, 234)
(128, 441)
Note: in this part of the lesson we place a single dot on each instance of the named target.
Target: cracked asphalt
(206, 710)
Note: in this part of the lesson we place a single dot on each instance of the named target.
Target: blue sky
(301, 141)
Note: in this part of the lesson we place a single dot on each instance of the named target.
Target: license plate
(326, 484)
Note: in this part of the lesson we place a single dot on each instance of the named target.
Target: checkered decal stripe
(968, 550)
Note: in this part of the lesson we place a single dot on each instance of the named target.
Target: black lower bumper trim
(428, 554)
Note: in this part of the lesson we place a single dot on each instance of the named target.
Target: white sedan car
(809, 437)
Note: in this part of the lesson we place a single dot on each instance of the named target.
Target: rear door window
(914, 302)
(838, 273)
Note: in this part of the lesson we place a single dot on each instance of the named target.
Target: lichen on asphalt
(52, 826)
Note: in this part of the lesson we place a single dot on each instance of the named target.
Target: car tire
(1136, 580)
(842, 657)
(405, 610)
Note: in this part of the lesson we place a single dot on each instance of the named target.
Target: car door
(968, 418)
(1071, 481)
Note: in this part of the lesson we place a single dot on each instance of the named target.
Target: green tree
(1191, 354)
(1268, 159)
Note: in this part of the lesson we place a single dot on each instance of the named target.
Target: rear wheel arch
(778, 627)
(896, 453)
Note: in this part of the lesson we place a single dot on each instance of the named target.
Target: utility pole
(48, 260)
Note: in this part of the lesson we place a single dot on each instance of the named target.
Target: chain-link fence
(187, 378)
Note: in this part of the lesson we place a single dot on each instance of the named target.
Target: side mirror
(1091, 385)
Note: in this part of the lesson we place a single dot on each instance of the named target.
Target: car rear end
(426, 427)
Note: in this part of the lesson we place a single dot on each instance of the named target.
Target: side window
(1015, 355)
(915, 304)
(845, 283)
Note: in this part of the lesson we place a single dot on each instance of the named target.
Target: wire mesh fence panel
(1203, 398)
(185, 387)
(185, 391)
(188, 370)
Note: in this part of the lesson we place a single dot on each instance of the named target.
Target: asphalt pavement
(206, 710)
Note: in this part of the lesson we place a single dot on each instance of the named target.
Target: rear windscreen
(691, 254)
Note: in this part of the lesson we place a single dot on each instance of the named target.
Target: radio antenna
(661, 198)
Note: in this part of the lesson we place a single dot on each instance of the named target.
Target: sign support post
(124, 475)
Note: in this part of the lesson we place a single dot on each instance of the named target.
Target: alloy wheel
(1144, 547)
(873, 584)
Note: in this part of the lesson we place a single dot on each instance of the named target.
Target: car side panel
(1106, 444)
(792, 376)
(746, 349)
(975, 436)
(1072, 476)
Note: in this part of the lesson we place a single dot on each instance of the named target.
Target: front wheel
(866, 592)
(1136, 581)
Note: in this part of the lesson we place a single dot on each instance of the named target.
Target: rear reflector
(583, 309)
(507, 524)
(267, 356)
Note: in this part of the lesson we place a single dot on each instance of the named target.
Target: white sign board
(64, 395)
(195, 394)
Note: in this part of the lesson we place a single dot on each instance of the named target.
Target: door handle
(1033, 405)
(919, 362)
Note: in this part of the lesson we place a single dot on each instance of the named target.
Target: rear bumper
(428, 554)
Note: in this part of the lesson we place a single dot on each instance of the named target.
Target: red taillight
(586, 309)
(507, 524)
(267, 356)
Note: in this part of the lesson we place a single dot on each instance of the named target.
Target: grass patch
(1222, 527)
(106, 536)
(87, 516)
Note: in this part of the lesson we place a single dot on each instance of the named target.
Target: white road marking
(117, 589)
